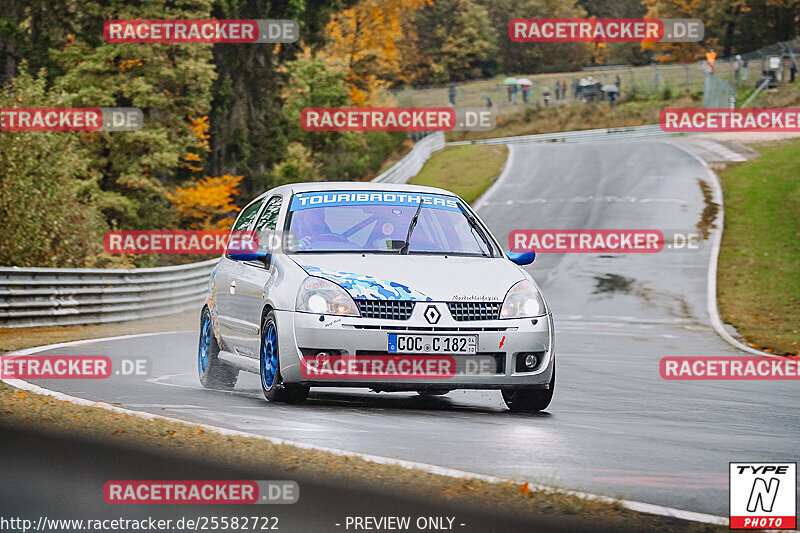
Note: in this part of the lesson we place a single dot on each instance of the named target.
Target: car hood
(415, 277)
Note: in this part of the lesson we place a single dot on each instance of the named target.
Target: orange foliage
(366, 38)
(128, 64)
(207, 204)
(199, 127)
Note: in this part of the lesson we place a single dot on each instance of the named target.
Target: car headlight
(523, 300)
(323, 297)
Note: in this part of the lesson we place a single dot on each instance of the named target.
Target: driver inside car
(311, 224)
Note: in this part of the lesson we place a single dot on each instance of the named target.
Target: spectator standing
(558, 90)
(711, 56)
(452, 95)
(737, 68)
(514, 91)
(526, 91)
(546, 95)
(617, 81)
(564, 89)
(509, 90)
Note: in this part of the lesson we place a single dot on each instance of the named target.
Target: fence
(642, 80)
(33, 297)
(718, 93)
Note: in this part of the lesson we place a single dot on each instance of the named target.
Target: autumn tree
(680, 52)
(365, 38)
(313, 80)
(319, 80)
(741, 26)
(459, 40)
(49, 215)
(248, 128)
(168, 82)
(529, 58)
(207, 205)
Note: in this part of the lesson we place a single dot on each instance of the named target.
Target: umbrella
(510, 81)
(610, 88)
(524, 81)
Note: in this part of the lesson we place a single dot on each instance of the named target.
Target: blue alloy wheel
(214, 374)
(272, 383)
(203, 354)
(269, 356)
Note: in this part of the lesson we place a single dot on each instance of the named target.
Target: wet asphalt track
(614, 427)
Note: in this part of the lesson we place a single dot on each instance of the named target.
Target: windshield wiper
(404, 249)
(474, 224)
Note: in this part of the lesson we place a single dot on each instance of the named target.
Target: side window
(269, 217)
(246, 217)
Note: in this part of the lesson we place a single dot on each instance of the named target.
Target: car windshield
(361, 221)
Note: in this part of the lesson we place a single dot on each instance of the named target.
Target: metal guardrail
(35, 297)
(603, 134)
(413, 162)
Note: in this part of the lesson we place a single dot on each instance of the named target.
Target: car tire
(214, 374)
(275, 390)
(530, 400)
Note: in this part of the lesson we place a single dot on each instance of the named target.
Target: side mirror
(246, 255)
(523, 258)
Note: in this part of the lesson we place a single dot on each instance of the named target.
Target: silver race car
(390, 287)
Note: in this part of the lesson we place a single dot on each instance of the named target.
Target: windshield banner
(310, 200)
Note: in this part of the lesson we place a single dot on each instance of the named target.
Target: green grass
(759, 264)
(465, 170)
(579, 116)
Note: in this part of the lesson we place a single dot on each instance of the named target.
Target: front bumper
(303, 334)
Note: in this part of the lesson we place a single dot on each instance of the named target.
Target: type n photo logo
(763, 495)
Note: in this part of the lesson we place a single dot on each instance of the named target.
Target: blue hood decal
(363, 287)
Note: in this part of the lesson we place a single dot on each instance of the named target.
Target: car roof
(357, 186)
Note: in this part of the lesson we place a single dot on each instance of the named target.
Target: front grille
(394, 327)
(463, 311)
(386, 309)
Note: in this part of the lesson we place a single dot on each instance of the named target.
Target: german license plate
(422, 344)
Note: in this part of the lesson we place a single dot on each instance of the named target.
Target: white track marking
(641, 507)
(480, 202)
(711, 296)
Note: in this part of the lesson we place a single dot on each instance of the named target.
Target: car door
(252, 278)
(229, 317)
